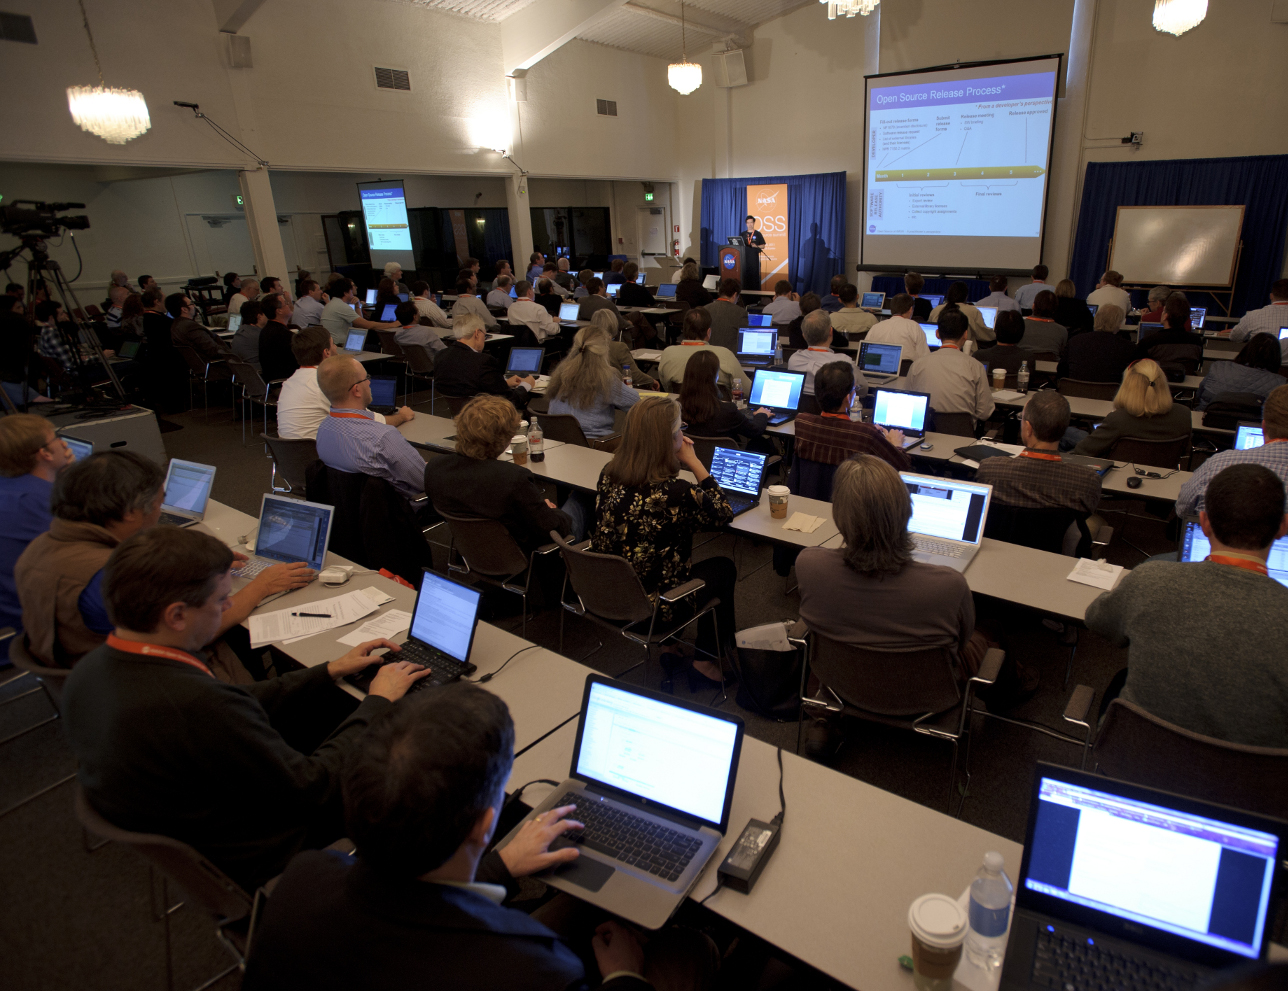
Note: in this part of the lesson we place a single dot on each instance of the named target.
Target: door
(652, 230)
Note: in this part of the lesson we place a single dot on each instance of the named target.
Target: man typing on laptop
(302, 406)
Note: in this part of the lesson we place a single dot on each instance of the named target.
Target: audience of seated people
(339, 315)
(832, 302)
(705, 413)
(245, 343)
(849, 319)
(1101, 356)
(550, 295)
(585, 385)
(1110, 290)
(1254, 371)
(1153, 312)
(955, 382)
(247, 289)
(386, 294)
(310, 303)
(412, 332)
(696, 334)
(499, 295)
(1143, 410)
(185, 332)
(596, 299)
(464, 368)
(1041, 333)
(785, 306)
(1174, 347)
(816, 328)
(427, 308)
(1273, 454)
(831, 436)
(499, 271)
(956, 297)
(808, 304)
(1006, 351)
(901, 329)
(467, 302)
(526, 312)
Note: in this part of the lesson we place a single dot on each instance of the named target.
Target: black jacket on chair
(494, 490)
(461, 371)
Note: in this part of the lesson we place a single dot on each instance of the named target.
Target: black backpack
(1227, 410)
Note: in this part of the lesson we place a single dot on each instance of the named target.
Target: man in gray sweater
(1207, 641)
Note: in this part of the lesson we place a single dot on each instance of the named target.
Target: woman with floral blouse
(647, 514)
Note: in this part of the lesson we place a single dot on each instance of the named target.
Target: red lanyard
(824, 350)
(1040, 456)
(1042, 319)
(349, 416)
(153, 650)
(837, 416)
(955, 347)
(1238, 562)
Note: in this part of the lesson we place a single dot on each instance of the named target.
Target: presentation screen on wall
(384, 211)
(956, 165)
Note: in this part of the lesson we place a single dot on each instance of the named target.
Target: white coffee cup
(778, 496)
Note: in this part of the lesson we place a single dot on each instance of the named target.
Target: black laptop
(1130, 888)
(756, 346)
(524, 362)
(384, 394)
(780, 391)
(740, 474)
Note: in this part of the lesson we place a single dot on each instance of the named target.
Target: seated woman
(705, 413)
(1102, 356)
(585, 385)
(1070, 311)
(472, 482)
(905, 604)
(690, 289)
(386, 292)
(1143, 410)
(619, 353)
(1255, 369)
(648, 515)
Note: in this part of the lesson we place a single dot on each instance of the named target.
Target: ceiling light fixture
(684, 76)
(849, 8)
(115, 115)
(1178, 16)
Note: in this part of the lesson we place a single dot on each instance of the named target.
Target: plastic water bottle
(536, 442)
(1022, 377)
(626, 375)
(737, 390)
(990, 912)
(778, 352)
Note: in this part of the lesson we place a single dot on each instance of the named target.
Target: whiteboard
(1177, 245)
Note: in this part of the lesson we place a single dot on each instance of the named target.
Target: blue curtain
(489, 243)
(1259, 182)
(815, 223)
(892, 285)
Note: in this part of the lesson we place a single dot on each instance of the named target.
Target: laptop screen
(946, 508)
(514, 292)
(371, 297)
(356, 340)
(679, 757)
(667, 290)
(711, 282)
(234, 322)
(1197, 313)
(1283, 333)
(1248, 435)
(1204, 879)
(934, 300)
(1093, 307)
(129, 349)
(613, 289)
(598, 275)
(738, 471)
(446, 615)
(1195, 546)
(760, 320)
(780, 390)
(639, 279)
(187, 486)
(569, 311)
(1146, 329)
(293, 530)
(931, 330)
(756, 341)
(989, 313)
(872, 300)
(904, 410)
(883, 359)
(524, 361)
(387, 314)
(384, 390)
(81, 449)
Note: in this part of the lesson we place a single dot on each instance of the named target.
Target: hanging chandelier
(684, 76)
(116, 115)
(849, 8)
(1178, 16)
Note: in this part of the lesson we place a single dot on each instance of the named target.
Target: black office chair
(1082, 389)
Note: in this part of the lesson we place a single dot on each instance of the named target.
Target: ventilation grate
(606, 108)
(392, 79)
(17, 27)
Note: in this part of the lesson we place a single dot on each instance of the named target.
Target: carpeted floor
(73, 919)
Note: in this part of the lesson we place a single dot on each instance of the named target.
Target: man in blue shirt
(31, 457)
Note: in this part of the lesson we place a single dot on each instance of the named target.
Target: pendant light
(684, 76)
(115, 115)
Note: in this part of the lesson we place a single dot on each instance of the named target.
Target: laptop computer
(872, 301)
(387, 314)
(1145, 329)
(403, 297)
(652, 779)
(443, 623)
(568, 312)
(524, 362)
(780, 391)
(740, 473)
(666, 290)
(598, 275)
(639, 279)
(948, 518)
(355, 341)
(289, 530)
(1128, 887)
(384, 394)
(931, 330)
(756, 346)
(989, 313)
(613, 288)
(1197, 315)
(371, 297)
(934, 300)
(711, 282)
(760, 320)
(187, 491)
(1093, 307)
(234, 323)
(1248, 435)
(897, 409)
(129, 349)
(81, 449)
(1195, 546)
(880, 360)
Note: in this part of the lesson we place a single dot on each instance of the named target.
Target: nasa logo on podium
(729, 261)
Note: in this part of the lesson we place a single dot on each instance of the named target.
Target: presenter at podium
(752, 241)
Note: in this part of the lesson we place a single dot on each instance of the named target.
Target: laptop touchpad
(585, 873)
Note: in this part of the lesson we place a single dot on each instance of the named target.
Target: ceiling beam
(530, 34)
(232, 15)
(705, 23)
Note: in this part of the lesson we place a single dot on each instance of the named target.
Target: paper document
(341, 610)
(772, 636)
(804, 523)
(387, 625)
(1007, 395)
(644, 355)
(1097, 574)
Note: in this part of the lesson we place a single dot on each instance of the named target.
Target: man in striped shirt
(1267, 320)
(1273, 454)
(831, 437)
(350, 439)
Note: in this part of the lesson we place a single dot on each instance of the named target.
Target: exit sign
(237, 201)
(648, 197)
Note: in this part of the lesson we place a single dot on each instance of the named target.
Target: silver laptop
(187, 491)
(355, 341)
(652, 778)
(711, 282)
(756, 345)
(1195, 546)
(898, 409)
(989, 313)
(880, 361)
(568, 312)
(872, 301)
(234, 323)
(948, 518)
(290, 530)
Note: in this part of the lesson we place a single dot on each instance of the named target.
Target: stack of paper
(1097, 574)
(387, 625)
(325, 614)
(1007, 395)
(804, 523)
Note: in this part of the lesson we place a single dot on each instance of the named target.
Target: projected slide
(958, 154)
(385, 211)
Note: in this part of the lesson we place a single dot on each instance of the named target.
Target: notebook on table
(898, 409)
(756, 346)
(1248, 435)
(384, 394)
(872, 301)
(290, 530)
(880, 360)
(524, 362)
(613, 288)
(187, 491)
(948, 518)
(652, 779)
(355, 341)
(129, 349)
(666, 290)
(1145, 329)
(741, 474)
(780, 391)
(443, 624)
(1131, 888)
(1195, 546)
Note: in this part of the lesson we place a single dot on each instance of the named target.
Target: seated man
(956, 383)
(901, 329)
(98, 503)
(245, 343)
(164, 747)
(550, 273)
(302, 407)
(464, 369)
(832, 302)
(423, 796)
(1101, 356)
(849, 319)
(632, 293)
(1027, 293)
(412, 331)
(1041, 333)
(831, 437)
(997, 295)
(956, 296)
(1206, 641)
(426, 307)
(1038, 478)
(117, 296)
(614, 276)
(1273, 454)
(913, 283)
(351, 440)
(1174, 344)
(468, 303)
(312, 301)
(31, 457)
(339, 315)
(785, 306)
(597, 298)
(795, 339)
(500, 294)
(1110, 290)
(816, 328)
(727, 317)
(582, 288)
(248, 290)
(526, 312)
(696, 331)
(185, 332)
(1006, 352)
(276, 359)
(1268, 319)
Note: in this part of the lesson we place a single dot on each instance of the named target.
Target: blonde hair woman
(587, 386)
(647, 514)
(619, 353)
(690, 288)
(1143, 410)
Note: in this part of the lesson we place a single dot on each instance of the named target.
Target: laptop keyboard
(173, 520)
(928, 545)
(253, 567)
(635, 841)
(445, 669)
(1066, 961)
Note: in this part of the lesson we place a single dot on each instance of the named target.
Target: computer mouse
(1133, 482)
(927, 447)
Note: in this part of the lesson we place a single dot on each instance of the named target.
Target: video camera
(25, 218)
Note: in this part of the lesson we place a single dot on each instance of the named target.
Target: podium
(731, 262)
